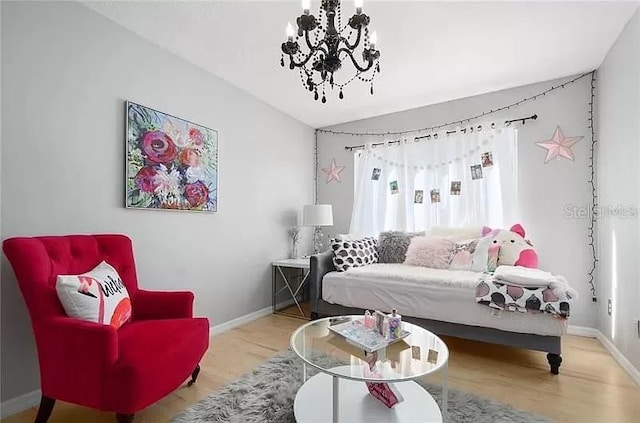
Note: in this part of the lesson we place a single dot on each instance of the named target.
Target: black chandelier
(329, 45)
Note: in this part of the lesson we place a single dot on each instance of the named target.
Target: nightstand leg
(273, 289)
(305, 276)
(293, 296)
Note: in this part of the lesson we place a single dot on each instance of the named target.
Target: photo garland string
(486, 160)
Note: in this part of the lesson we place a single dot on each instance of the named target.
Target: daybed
(439, 300)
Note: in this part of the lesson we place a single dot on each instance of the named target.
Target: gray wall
(618, 127)
(543, 189)
(67, 72)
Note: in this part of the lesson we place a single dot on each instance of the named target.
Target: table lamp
(317, 215)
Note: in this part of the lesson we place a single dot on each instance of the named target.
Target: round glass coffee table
(338, 393)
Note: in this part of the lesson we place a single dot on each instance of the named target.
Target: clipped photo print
(487, 159)
(435, 195)
(394, 187)
(455, 187)
(476, 172)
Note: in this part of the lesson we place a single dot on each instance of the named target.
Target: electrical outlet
(609, 307)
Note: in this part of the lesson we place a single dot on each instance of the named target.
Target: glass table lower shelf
(324, 398)
(339, 393)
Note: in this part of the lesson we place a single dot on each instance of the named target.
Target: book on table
(385, 392)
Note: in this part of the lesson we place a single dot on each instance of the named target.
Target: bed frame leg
(554, 362)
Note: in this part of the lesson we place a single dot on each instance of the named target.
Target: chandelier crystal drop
(327, 45)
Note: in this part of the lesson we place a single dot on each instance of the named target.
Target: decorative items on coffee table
(418, 354)
(373, 332)
(292, 285)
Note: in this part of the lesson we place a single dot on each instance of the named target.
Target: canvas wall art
(171, 163)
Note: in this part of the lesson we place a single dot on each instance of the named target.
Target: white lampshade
(317, 215)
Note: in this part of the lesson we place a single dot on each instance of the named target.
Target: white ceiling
(431, 51)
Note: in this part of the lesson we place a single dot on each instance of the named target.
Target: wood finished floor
(591, 386)
(293, 311)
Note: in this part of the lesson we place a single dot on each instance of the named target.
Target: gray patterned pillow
(348, 254)
(392, 246)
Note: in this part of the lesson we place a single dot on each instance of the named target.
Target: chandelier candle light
(328, 45)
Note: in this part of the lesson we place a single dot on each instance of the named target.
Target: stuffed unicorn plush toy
(515, 250)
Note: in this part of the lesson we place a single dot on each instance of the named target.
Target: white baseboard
(239, 321)
(633, 373)
(582, 331)
(20, 403)
(621, 359)
(284, 304)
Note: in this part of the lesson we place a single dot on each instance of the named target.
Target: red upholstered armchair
(120, 370)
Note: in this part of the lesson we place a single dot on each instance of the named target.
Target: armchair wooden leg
(194, 375)
(124, 418)
(45, 409)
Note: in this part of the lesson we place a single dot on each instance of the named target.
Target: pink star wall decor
(559, 145)
(333, 171)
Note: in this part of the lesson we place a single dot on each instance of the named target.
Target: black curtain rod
(435, 136)
(532, 117)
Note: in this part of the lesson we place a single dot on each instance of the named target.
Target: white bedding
(444, 295)
(523, 276)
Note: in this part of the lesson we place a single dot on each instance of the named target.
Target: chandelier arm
(312, 47)
(309, 56)
(346, 40)
(355, 63)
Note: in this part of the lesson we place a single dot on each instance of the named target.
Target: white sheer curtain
(433, 164)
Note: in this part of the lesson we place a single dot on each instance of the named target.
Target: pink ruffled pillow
(427, 251)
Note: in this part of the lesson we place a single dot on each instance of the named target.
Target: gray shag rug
(267, 395)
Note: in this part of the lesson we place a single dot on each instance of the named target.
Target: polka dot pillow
(358, 253)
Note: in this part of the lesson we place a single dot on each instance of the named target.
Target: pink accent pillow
(429, 251)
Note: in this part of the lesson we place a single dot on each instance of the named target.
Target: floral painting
(171, 163)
